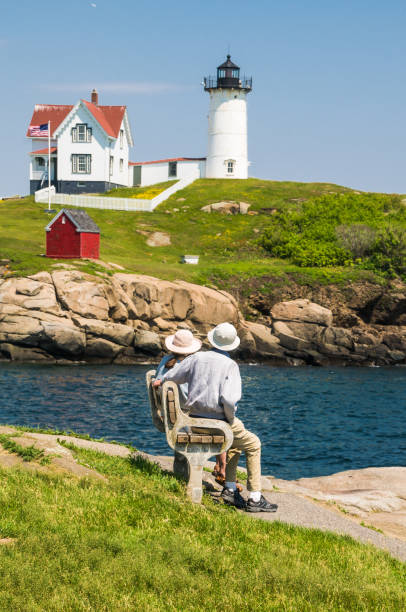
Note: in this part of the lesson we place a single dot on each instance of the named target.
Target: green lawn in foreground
(135, 542)
(227, 244)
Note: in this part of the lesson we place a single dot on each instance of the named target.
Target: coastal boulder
(147, 342)
(176, 301)
(302, 311)
(264, 341)
(288, 339)
(114, 332)
(101, 348)
(80, 294)
(30, 294)
(25, 354)
(57, 338)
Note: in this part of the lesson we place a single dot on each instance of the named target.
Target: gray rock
(114, 332)
(302, 311)
(99, 347)
(57, 338)
(147, 342)
(288, 339)
(24, 354)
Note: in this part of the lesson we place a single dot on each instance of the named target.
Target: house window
(230, 166)
(121, 165)
(111, 165)
(63, 220)
(121, 139)
(81, 164)
(81, 133)
(172, 170)
(40, 162)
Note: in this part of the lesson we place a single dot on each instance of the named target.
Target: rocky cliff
(70, 316)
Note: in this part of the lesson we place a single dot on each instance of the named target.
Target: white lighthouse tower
(227, 146)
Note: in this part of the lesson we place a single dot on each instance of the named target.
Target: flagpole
(49, 165)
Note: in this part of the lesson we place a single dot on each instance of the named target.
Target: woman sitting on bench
(181, 344)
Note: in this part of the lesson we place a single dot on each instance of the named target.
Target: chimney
(95, 97)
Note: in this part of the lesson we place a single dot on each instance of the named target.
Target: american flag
(39, 130)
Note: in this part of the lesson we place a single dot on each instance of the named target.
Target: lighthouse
(227, 155)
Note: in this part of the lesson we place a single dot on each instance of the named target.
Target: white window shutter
(74, 163)
(89, 134)
(74, 135)
(88, 164)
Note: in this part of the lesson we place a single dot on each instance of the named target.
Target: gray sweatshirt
(214, 384)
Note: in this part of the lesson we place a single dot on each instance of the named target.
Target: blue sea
(311, 421)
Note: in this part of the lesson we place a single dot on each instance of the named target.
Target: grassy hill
(134, 542)
(291, 238)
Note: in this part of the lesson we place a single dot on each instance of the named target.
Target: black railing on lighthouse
(212, 82)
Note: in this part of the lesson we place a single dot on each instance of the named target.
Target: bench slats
(185, 438)
(171, 406)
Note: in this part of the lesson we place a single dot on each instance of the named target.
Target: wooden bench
(194, 440)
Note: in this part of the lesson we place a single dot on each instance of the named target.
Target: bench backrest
(182, 431)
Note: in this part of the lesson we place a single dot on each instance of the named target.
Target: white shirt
(214, 384)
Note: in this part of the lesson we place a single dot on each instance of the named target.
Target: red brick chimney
(95, 97)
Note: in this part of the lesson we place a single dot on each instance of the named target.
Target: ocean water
(311, 421)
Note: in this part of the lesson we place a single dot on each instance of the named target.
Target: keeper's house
(89, 146)
(72, 233)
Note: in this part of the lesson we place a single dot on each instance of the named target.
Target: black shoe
(233, 498)
(262, 506)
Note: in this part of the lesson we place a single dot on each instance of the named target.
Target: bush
(338, 229)
(389, 250)
(358, 239)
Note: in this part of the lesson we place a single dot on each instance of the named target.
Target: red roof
(110, 118)
(171, 159)
(55, 113)
(43, 151)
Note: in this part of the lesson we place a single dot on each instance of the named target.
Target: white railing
(108, 203)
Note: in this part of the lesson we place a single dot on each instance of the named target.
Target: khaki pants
(248, 442)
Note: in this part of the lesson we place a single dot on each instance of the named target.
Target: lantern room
(228, 77)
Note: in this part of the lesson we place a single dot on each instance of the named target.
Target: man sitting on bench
(214, 389)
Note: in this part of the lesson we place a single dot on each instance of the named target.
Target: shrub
(389, 250)
(338, 229)
(357, 238)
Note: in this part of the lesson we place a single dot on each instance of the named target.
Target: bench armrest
(154, 395)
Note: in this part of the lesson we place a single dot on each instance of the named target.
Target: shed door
(137, 175)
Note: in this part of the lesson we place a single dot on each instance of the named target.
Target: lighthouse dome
(228, 77)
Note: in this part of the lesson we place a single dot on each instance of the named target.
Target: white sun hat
(183, 342)
(224, 337)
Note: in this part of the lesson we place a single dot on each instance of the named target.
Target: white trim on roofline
(128, 129)
(78, 105)
(61, 212)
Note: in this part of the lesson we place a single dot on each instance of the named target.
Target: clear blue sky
(329, 89)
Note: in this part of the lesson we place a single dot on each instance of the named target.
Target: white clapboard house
(90, 142)
(89, 146)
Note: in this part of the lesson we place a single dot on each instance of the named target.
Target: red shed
(72, 233)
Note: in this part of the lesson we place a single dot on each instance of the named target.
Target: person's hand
(156, 383)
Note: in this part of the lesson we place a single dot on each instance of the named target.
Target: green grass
(136, 543)
(147, 193)
(230, 254)
(27, 453)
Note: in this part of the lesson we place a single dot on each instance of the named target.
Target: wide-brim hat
(224, 337)
(183, 342)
